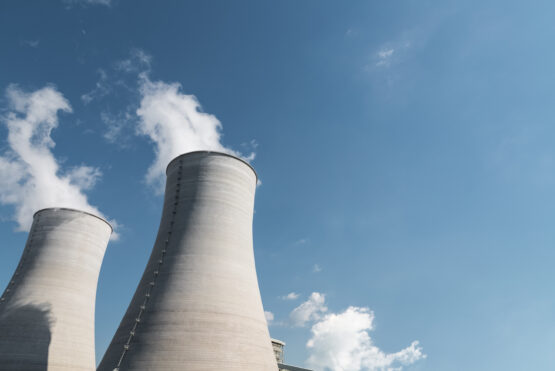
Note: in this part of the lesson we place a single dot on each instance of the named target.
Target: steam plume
(176, 124)
(30, 176)
(172, 120)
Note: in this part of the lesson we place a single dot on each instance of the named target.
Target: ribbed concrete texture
(47, 310)
(198, 306)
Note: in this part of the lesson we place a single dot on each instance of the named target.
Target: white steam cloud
(341, 341)
(30, 175)
(176, 124)
(172, 120)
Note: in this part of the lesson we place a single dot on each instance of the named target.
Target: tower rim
(74, 210)
(213, 153)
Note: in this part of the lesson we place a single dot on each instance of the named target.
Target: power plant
(197, 306)
(47, 310)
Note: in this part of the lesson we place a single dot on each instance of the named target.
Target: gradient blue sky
(405, 150)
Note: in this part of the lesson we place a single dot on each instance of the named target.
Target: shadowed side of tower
(197, 306)
(47, 310)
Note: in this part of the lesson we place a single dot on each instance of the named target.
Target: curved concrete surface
(197, 306)
(47, 310)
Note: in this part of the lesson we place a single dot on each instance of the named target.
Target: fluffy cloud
(341, 341)
(30, 176)
(290, 296)
(310, 310)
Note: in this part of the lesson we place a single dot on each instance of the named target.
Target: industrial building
(279, 353)
(197, 306)
(277, 346)
(47, 310)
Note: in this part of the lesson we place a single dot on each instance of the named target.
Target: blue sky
(405, 151)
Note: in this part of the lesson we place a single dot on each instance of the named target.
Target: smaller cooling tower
(198, 306)
(47, 310)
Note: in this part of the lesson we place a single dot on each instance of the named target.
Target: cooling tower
(197, 306)
(47, 310)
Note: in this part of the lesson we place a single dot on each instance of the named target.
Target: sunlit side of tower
(47, 310)
(198, 306)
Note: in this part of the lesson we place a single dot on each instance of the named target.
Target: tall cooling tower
(47, 310)
(197, 306)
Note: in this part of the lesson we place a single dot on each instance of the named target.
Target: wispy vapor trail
(30, 175)
(69, 3)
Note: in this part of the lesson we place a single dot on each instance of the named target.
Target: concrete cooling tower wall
(197, 306)
(47, 310)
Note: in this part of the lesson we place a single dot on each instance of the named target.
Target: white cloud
(116, 125)
(84, 177)
(384, 56)
(31, 43)
(341, 342)
(88, 2)
(252, 144)
(301, 241)
(290, 296)
(386, 53)
(310, 310)
(138, 61)
(316, 268)
(30, 175)
(101, 89)
(173, 121)
(269, 316)
(393, 53)
(176, 124)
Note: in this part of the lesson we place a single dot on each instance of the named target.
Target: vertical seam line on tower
(152, 283)
(26, 251)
